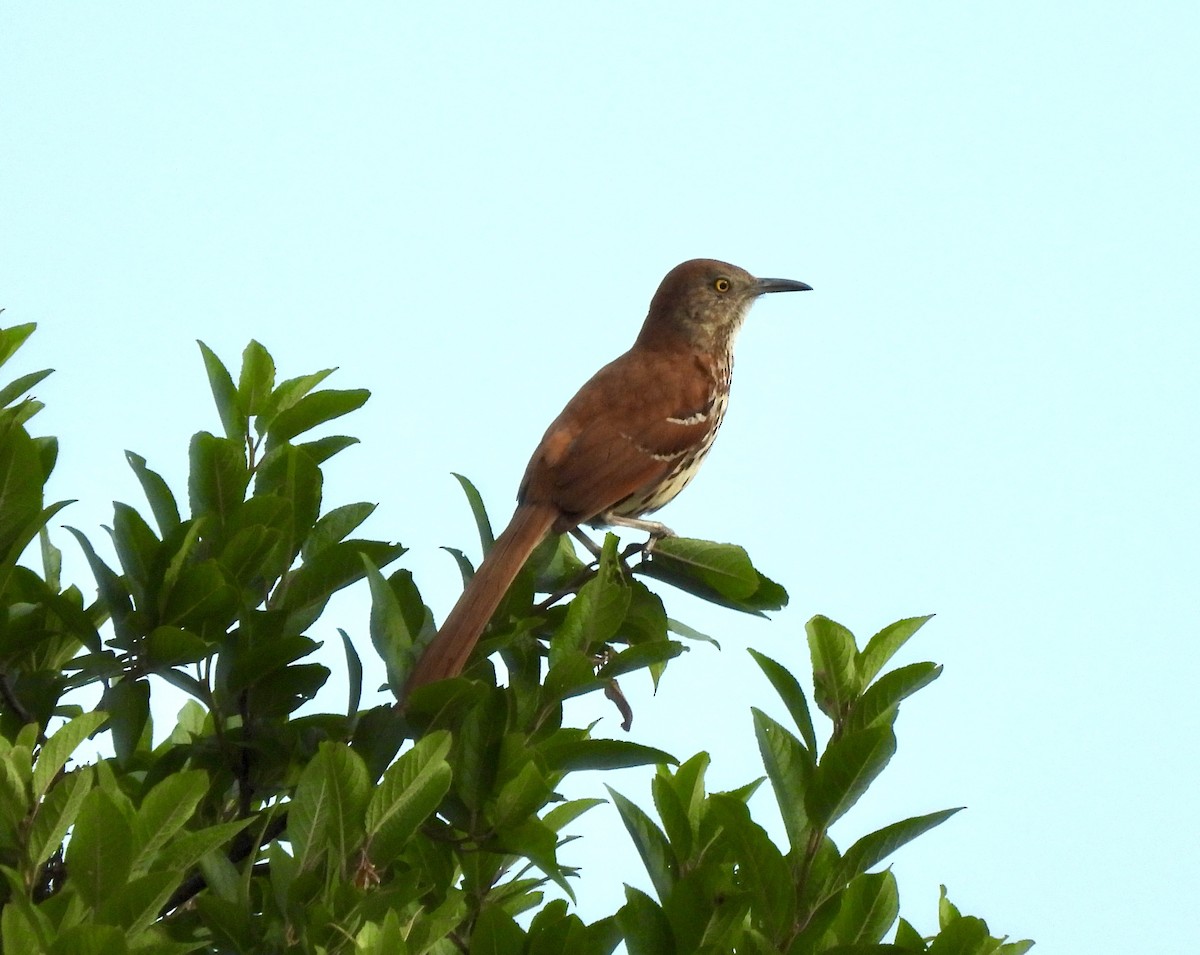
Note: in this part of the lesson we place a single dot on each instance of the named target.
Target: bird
(624, 446)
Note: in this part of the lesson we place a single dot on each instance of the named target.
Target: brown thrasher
(625, 445)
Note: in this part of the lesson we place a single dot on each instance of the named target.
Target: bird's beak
(762, 286)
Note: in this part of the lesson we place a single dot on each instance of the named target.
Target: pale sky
(985, 409)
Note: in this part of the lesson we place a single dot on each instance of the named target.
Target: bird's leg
(579, 535)
(656, 530)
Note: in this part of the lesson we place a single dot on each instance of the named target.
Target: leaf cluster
(436, 827)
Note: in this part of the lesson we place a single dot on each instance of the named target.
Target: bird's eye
(721, 285)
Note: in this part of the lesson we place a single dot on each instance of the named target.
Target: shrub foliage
(429, 827)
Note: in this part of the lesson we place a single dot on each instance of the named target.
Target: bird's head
(706, 301)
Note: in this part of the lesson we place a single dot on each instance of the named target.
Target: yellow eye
(721, 285)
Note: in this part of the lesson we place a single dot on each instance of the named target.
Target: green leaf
(314, 409)
(127, 703)
(881, 843)
(878, 704)
(847, 768)
(136, 904)
(57, 813)
(676, 626)
(790, 767)
(21, 482)
(256, 380)
(567, 812)
(597, 611)
(164, 812)
(23, 927)
(520, 797)
(286, 395)
(169, 647)
(657, 854)
(965, 935)
(13, 338)
(89, 940)
(639, 657)
(185, 850)
(726, 568)
(10, 392)
(486, 537)
(327, 812)
(292, 475)
(201, 600)
(869, 907)
(219, 475)
(334, 527)
(162, 501)
(233, 417)
(908, 937)
(410, 790)
(136, 548)
(833, 660)
(101, 848)
(390, 633)
(762, 870)
(496, 933)
(312, 584)
(354, 674)
(790, 692)
(58, 748)
(250, 558)
(679, 827)
(883, 646)
(573, 755)
(716, 573)
(644, 926)
(323, 449)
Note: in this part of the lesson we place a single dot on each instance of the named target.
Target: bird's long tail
(450, 649)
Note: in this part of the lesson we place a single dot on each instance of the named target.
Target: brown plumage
(625, 445)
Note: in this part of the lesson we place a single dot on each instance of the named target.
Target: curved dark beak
(781, 285)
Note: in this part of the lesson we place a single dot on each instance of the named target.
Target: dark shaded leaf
(658, 856)
(312, 584)
(644, 926)
(218, 476)
(574, 755)
(496, 933)
(354, 674)
(21, 482)
(162, 501)
(761, 868)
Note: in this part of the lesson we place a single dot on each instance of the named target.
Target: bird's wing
(626, 430)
